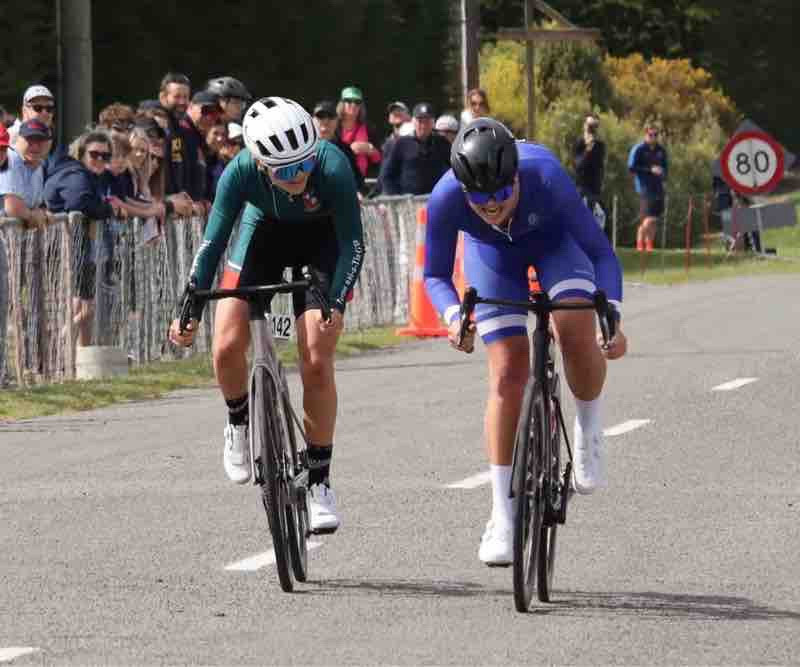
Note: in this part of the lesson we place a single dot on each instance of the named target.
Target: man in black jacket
(590, 157)
(416, 163)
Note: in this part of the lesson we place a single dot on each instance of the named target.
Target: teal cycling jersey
(330, 194)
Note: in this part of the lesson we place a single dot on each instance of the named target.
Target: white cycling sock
(502, 509)
(588, 414)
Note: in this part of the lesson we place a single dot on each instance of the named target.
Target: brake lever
(187, 306)
(467, 308)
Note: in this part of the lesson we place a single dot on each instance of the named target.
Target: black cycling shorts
(277, 244)
(651, 207)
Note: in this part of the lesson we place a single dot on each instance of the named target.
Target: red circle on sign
(743, 187)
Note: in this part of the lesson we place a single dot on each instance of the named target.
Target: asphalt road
(117, 526)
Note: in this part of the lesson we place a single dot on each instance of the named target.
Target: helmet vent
(254, 113)
(304, 131)
(276, 142)
(263, 149)
(292, 139)
(269, 103)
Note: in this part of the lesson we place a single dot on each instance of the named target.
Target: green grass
(157, 379)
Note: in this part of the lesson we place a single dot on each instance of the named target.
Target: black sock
(319, 464)
(238, 411)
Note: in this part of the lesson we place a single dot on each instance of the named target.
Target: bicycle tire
(297, 511)
(526, 487)
(268, 442)
(554, 496)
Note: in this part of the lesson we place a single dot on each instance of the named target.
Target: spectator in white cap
(39, 104)
(446, 126)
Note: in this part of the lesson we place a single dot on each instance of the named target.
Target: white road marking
(253, 563)
(733, 384)
(624, 427)
(8, 654)
(471, 482)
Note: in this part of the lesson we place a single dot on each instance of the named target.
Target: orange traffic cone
(533, 280)
(423, 319)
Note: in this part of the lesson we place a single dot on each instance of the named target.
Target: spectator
(38, 103)
(234, 142)
(352, 114)
(7, 119)
(397, 115)
(22, 182)
(647, 162)
(416, 163)
(477, 105)
(4, 286)
(153, 109)
(233, 97)
(117, 119)
(203, 113)
(447, 127)
(215, 140)
(174, 97)
(589, 155)
(74, 184)
(327, 123)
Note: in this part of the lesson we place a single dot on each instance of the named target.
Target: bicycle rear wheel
(269, 442)
(555, 495)
(527, 489)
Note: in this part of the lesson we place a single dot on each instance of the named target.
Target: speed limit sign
(752, 163)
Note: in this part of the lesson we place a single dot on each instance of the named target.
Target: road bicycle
(278, 465)
(540, 474)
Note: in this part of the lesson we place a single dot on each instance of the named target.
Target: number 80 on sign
(752, 163)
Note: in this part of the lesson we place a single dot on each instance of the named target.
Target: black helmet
(227, 86)
(484, 156)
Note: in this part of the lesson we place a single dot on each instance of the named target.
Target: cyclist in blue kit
(518, 207)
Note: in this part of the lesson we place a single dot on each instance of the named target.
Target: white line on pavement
(733, 384)
(258, 561)
(471, 482)
(8, 654)
(624, 427)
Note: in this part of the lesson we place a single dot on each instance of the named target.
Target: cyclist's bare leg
(508, 374)
(317, 350)
(584, 364)
(229, 349)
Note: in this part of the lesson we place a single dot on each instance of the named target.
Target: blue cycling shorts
(501, 271)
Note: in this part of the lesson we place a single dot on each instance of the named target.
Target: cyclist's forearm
(348, 268)
(443, 296)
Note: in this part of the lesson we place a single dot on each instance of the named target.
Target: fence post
(706, 226)
(689, 236)
(664, 234)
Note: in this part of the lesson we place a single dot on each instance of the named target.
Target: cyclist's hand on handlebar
(185, 338)
(617, 346)
(453, 332)
(334, 324)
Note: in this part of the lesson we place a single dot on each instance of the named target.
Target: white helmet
(279, 132)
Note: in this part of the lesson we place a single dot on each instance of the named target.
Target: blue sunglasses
(289, 172)
(482, 198)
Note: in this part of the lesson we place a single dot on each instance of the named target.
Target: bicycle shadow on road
(662, 605)
(410, 588)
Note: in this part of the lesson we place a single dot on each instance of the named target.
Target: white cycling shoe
(236, 457)
(589, 465)
(497, 545)
(322, 515)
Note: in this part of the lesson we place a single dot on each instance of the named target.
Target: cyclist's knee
(508, 381)
(316, 371)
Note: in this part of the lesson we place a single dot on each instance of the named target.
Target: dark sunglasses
(100, 155)
(351, 100)
(210, 111)
(652, 133)
(482, 198)
(120, 126)
(38, 108)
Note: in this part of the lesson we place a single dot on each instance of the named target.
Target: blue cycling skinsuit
(550, 229)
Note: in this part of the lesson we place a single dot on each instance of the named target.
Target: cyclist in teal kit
(300, 208)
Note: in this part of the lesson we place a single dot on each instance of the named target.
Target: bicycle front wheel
(527, 489)
(269, 442)
(297, 510)
(555, 494)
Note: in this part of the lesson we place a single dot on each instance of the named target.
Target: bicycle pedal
(324, 531)
(498, 565)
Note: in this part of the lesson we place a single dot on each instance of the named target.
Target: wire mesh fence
(79, 282)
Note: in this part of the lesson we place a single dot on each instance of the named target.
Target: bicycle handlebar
(540, 303)
(193, 297)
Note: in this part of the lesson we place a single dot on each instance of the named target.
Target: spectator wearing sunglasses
(415, 163)
(353, 131)
(39, 104)
(647, 162)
